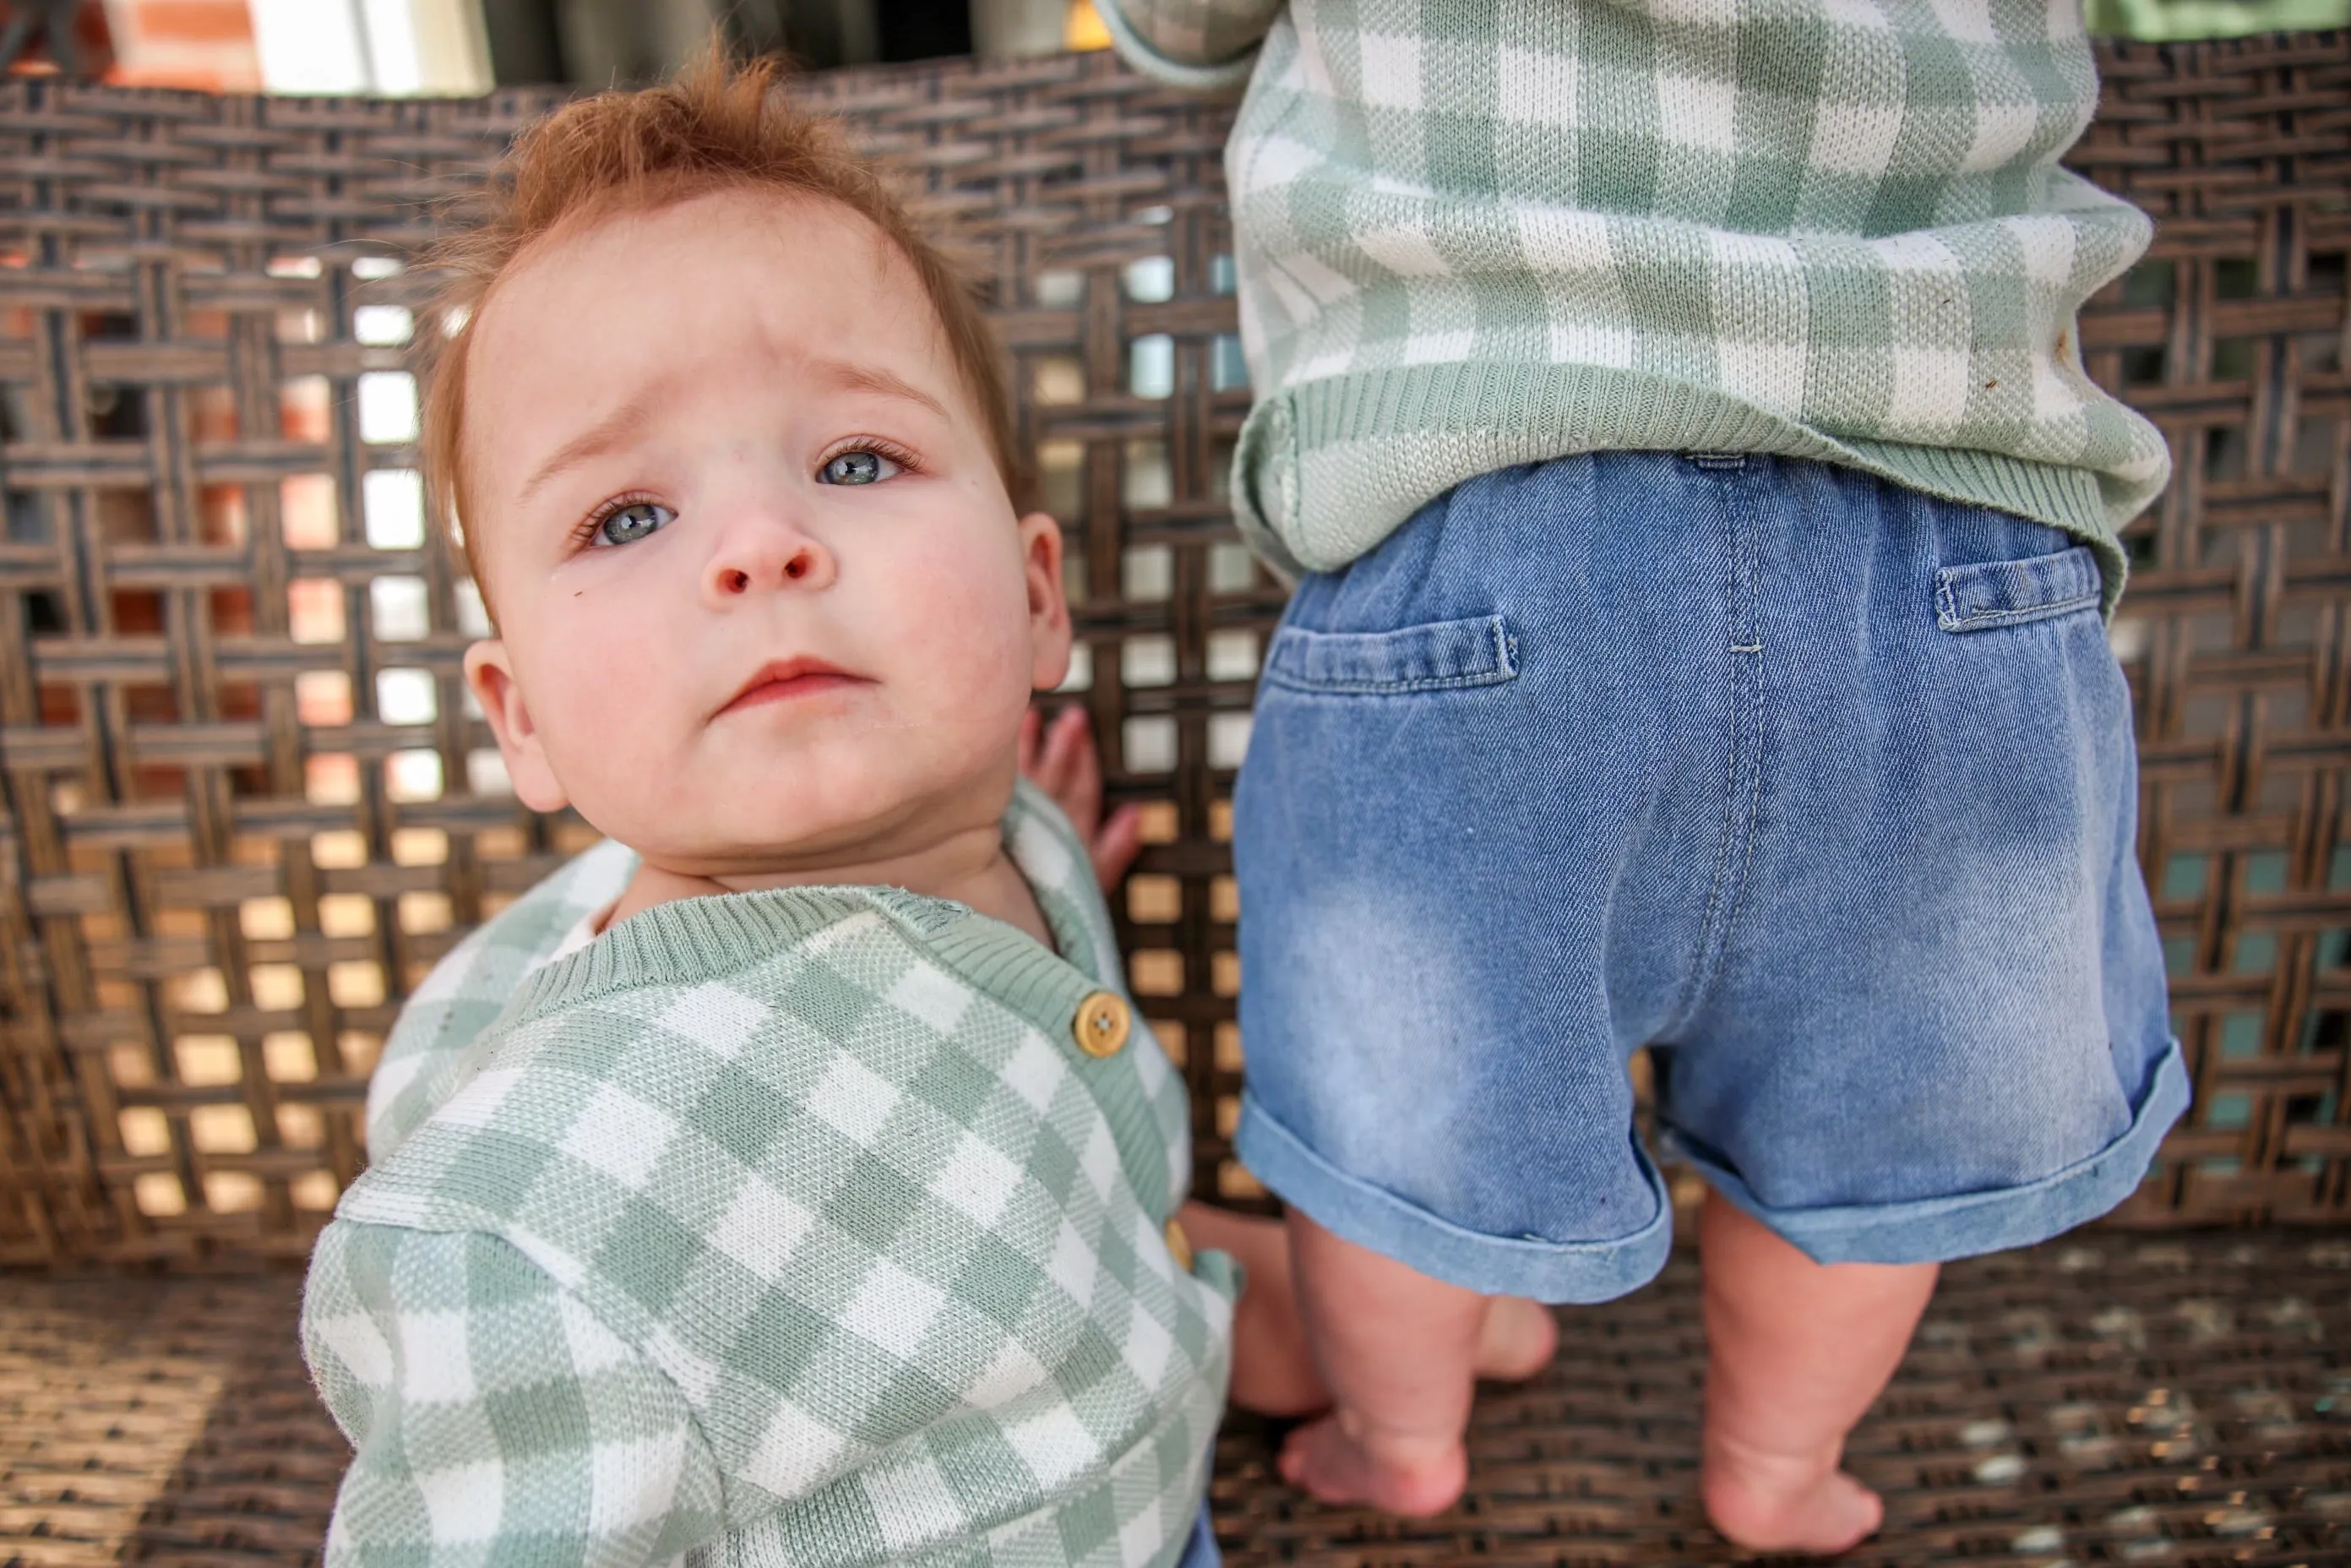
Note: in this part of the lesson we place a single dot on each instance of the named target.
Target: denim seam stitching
(1708, 961)
(1504, 668)
(1374, 689)
(1977, 620)
(1750, 668)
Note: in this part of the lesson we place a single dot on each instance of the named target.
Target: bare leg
(1274, 1375)
(1398, 1352)
(1798, 1351)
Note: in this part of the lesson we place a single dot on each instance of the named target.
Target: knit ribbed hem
(1326, 470)
(2041, 491)
(713, 935)
(1010, 965)
(691, 940)
(688, 940)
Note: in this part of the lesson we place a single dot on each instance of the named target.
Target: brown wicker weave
(246, 809)
(2180, 1401)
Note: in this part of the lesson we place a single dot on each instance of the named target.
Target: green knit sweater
(1470, 234)
(822, 1226)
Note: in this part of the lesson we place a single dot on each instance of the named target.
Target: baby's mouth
(789, 680)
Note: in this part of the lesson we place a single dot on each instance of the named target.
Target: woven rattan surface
(243, 807)
(2116, 1399)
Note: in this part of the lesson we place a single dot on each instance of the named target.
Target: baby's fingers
(1066, 768)
(1076, 767)
(1116, 844)
(1059, 760)
(1032, 730)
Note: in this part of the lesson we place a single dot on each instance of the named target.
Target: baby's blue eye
(859, 468)
(627, 524)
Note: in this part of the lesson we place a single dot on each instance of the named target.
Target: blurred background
(464, 46)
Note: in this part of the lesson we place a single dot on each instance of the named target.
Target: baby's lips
(782, 680)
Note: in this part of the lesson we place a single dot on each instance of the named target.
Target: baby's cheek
(969, 646)
(601, 731)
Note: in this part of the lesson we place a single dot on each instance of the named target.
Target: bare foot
(1771, 1502)
(1518, 1341)
(1338, 1468)
(1273, 1371)
(1796, 1352)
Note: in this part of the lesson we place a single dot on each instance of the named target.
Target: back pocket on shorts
(2009, 593)
(1442, 655)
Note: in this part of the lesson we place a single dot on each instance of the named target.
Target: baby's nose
(768, 556)
(798, 565)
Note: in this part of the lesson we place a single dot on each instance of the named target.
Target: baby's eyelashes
(869, 461)
(625, 519)
(627, 522)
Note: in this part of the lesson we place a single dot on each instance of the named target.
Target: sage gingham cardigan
(790, 1226)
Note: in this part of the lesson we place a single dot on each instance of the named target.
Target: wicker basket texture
(244, 805)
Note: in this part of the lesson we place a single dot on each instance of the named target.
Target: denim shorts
(1821, 788)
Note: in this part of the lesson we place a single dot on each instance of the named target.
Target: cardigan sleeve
(493, 1417)
(1208, 45)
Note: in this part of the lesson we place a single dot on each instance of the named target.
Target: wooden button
(1102, 1024)
(1179, 1247)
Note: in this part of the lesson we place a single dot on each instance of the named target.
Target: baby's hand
(1063, 763)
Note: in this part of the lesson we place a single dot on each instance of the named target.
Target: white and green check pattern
(787, 1226)
(1477, 233)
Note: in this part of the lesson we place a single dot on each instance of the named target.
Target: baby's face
(763, 602)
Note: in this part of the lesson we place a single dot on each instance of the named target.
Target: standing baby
(1672, 413)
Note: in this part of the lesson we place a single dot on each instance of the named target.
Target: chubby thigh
(1821, 788)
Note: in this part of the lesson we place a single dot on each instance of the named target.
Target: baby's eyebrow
(600, 437)
(873, 379)
(614, 428)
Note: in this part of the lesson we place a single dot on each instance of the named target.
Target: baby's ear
(491, 676)
(1048, 608)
